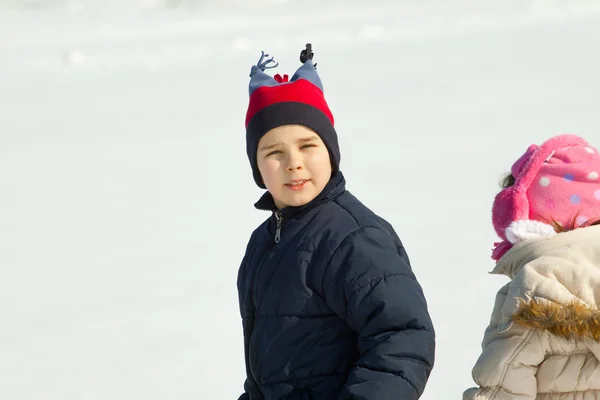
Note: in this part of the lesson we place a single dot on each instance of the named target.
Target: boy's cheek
(271, 165)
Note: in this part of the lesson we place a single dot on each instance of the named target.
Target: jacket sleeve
(509, 360)
(369, 283)
(249, 384)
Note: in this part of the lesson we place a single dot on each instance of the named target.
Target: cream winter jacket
(543, 341)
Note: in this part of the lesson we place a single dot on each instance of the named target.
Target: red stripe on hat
(301, 91)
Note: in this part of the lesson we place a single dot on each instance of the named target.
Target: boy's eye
(271, 153)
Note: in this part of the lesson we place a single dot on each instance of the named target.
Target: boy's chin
(299, 201)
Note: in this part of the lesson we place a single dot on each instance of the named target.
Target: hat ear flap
(510, 205)
(307, 71)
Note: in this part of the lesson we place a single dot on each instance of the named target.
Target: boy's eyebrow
(269, 146)
(308, 139)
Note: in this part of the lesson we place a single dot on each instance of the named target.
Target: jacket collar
(335, 187)
(524, 252)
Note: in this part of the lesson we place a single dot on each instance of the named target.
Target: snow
(126, 198)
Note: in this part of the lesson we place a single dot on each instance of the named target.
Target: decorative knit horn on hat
(307, 71)
(275, 101)
(258, 77)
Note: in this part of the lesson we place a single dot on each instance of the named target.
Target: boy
(329, 303)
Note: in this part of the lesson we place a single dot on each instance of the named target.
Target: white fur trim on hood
(526, 229)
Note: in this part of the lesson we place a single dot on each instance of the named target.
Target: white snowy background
(126, 198)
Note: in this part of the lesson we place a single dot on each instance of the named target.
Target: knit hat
(276, 101)
(557, 182)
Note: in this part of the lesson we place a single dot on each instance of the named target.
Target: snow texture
(126, 196)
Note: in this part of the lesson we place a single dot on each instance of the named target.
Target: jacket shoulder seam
(375, 280)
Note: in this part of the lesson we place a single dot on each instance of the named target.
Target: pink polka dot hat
(556, 182)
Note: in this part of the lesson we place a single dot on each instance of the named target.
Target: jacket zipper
(279, 222)
(279, 218)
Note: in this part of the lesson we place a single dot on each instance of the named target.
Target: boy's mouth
(297, 184)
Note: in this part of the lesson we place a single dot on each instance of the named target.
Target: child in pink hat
(543, 340)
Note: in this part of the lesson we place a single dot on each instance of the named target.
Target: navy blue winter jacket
(330, 306)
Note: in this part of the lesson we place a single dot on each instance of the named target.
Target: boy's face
(294, 164)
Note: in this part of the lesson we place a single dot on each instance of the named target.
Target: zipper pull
(279, 221)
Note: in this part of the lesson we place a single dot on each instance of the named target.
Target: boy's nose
(294, 167)
(294, 163)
